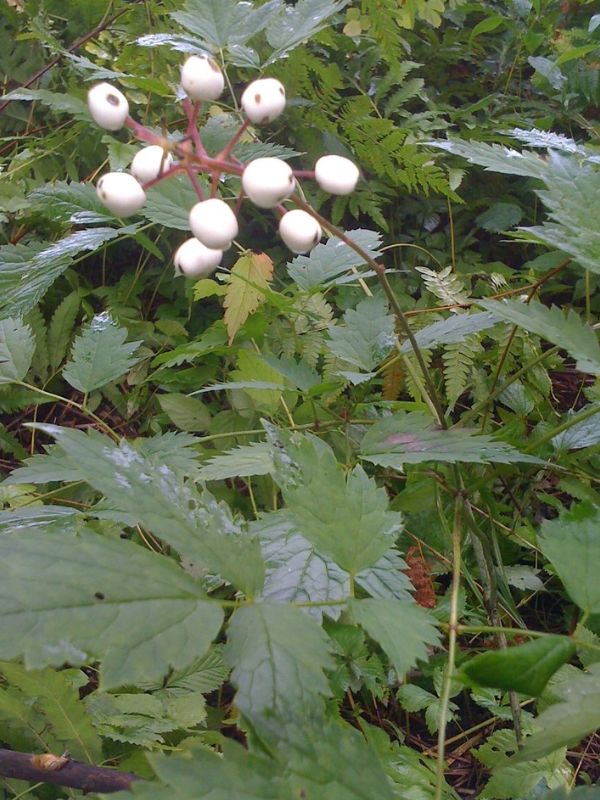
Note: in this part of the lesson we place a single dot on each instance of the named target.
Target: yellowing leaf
(248, 281)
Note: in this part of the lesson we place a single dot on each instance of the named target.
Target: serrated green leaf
(411, 438)
(88, 597)
(17, 346)
(299, 22)
(27, 271)
(157, 495)
(572, 544)
(495, 157)
(568, 721)
(328, 260)
(454, 329)
(343, 514)
(64, 723)
(500, 217)
(61, 327)
(100, 355)
(70, 202)
(366, 336)
(204, 675)
(568, 331)
(242, 461)
(248, 284)
(278, 656)
(169, 202)
(525, 668)
(187, 413)
(510, 780)
(40, 360)
(580, 434)
(571, 190)
(404, 630)
(225, 22)
(57, 101)
(237, 775)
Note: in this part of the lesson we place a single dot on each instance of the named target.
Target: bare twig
(87, 777)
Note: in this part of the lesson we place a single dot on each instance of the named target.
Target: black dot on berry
(257, 98)
(281, 91)
(112, 99)
(290, 179)
(99, 596)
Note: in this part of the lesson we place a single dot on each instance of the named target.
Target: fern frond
(458, 361)
(445, 285)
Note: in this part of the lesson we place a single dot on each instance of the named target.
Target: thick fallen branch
(64, 772)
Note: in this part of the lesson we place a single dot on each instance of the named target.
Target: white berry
(214, 223)
(268, 181)
(299, 230)
(120, 193)
(194, 260)
(263, 100)
(150, 162)
(201, 78)
(108, 106)
(336, 174)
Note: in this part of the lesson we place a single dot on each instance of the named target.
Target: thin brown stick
(87, 777)
(105, 23)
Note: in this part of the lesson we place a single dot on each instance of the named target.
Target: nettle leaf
(366, 336)
(568, 721)
(17, 345)
(525, 668)
(225, 22)
(248, 283)
(404, 630)
(100, 355)
(411, 438)
(157, 495)
(452, 330)
(327, 261)
(299, 22)
(572, 544)
(239, 462)
(343, 514)
(51, 714)
(85, 597)
(495, 157)
(27, 271)
(278, 656)
(568, 331)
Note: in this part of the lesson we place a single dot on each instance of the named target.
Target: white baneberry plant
(268, 183)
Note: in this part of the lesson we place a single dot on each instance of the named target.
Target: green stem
(590, 412)
(452, 639)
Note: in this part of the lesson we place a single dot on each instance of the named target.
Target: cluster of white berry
(267, 182)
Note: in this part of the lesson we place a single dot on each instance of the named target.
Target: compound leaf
(248, 282)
